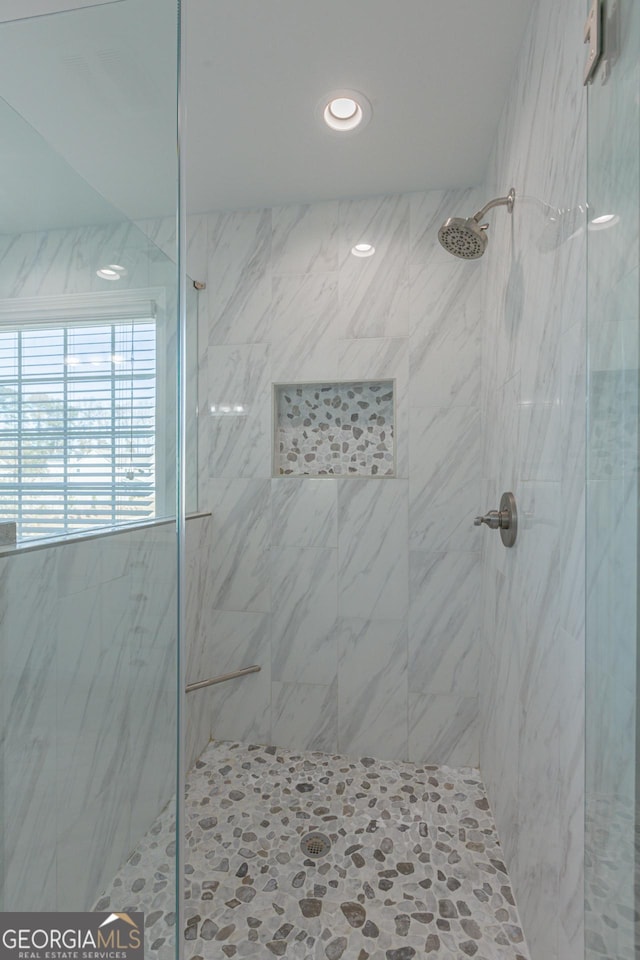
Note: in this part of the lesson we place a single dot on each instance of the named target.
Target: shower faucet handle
(505, 519)
(492, 519)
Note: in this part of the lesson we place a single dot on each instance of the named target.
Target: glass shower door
(613, 324)
(89, 718)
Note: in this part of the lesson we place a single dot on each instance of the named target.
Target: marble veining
(240, 265)
(533, 429)
(287, 303)
(87, 707)
(415, 866)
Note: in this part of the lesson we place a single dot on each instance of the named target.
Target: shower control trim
(505, 519)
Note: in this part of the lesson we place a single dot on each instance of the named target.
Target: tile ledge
(28, 546)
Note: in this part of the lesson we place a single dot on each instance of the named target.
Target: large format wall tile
(201, 655)
(238, 375)
(444, 727)
(408, 314)
(239, 445)
(27, 712)
(385, 358)
(64, 261)
(304, 512)
(304, 716)
(305, 328)
(374, 291)
(372, 688)
(239, 276)
(444, 485)
(445, 335)
(532, 680)
(242, 707)
(153, 714)
(444, 623)
(90, 853)
(373, 554)
(304, 603)
(239, 436)
(305, 238)
(88, 711)
(195, 598)
(93, 681)
(239, 555)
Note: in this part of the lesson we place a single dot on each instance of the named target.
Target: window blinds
(77, 421)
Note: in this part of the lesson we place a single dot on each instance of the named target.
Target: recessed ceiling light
(604, 221)
(345, 110)
(113, 271)
(363, 250)
(343, 114)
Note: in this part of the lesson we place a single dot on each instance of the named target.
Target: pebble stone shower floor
(415, 867)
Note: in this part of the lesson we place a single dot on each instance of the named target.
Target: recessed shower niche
(334, 429)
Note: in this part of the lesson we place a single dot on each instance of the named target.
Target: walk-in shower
(467, 237)
(325, 717)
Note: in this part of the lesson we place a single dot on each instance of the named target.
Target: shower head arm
(507, 202)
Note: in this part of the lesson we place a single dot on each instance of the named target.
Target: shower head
(467, 238)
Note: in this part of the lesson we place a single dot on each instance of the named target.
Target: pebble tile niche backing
(335, 429)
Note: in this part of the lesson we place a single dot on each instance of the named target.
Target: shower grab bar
(245, 671)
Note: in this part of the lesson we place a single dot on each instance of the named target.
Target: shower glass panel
(88, 451)
(611, 882)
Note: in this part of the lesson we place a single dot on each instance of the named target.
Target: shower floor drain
(315, 845)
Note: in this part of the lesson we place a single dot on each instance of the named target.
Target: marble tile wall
(54, 262)
(342, 587)
(532, 678)
(87, 710)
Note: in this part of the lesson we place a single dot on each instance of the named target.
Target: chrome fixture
(505, 519)
(315, 845)
(593, 36)
(221, 679)
(467, 238)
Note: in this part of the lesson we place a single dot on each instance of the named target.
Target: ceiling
(92, 88)
(436, 73)
(38, 189)
(97, 87)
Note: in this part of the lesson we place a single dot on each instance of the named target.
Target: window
(78, 418)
